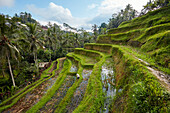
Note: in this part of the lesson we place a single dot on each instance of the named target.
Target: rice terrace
(59, 60)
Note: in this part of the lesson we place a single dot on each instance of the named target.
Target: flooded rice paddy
(51, 105)
(108, 80)
(79, 93)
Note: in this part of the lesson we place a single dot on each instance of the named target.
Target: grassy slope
(141, 91)
(150, 33)
(53, 89)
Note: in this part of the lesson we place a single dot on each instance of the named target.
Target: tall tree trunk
(3, 73)
(10, 69)
(50, 53)
(36, 63)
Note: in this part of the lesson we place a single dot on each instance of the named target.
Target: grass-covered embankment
(138, 90)
(53, 89)
(93, 99)
(65, 101)
(141, 91)
(87, 58)
(150, 33)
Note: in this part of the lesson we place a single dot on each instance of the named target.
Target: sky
(77, 13)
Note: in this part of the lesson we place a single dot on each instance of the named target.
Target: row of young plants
(65, 101)
(15, 98)
(62, 105)
(54, 88)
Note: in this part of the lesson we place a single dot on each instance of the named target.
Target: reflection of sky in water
(86, 73)
(107, 76)
(73, 68)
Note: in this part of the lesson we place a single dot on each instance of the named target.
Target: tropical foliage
(155, 4)
(23, 41)
(124, 15)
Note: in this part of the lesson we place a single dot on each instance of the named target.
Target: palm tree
(8, 50)
(76, 40)
(95, 31)
(32, 35)
(50, 39)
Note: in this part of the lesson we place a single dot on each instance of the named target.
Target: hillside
(127, 70)
(150, 33)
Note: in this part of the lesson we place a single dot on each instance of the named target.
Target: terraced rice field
(62, 92)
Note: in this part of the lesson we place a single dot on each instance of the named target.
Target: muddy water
(51, 105)
(107, 76)
(79, 93)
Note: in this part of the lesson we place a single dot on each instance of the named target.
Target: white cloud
(57, 14)
(52, 13)
(7, 3)
(92, 6)
(109, 7)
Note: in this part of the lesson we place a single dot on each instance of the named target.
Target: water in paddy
(51, 105)
(73, 68)
(107, 76)
(79, 93)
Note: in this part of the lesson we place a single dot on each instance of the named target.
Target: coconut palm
(8, 50)
(32, 36)
(50, 37)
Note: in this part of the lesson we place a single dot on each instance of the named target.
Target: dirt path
(163, 78)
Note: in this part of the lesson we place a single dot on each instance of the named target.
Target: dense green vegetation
(149, 33)
(138, 47)
(23, 41)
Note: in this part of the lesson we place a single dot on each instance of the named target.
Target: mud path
(79, 93)
(107, 76)
(163, 78)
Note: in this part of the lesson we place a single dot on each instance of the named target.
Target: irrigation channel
(108, 79)
(32, 97)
